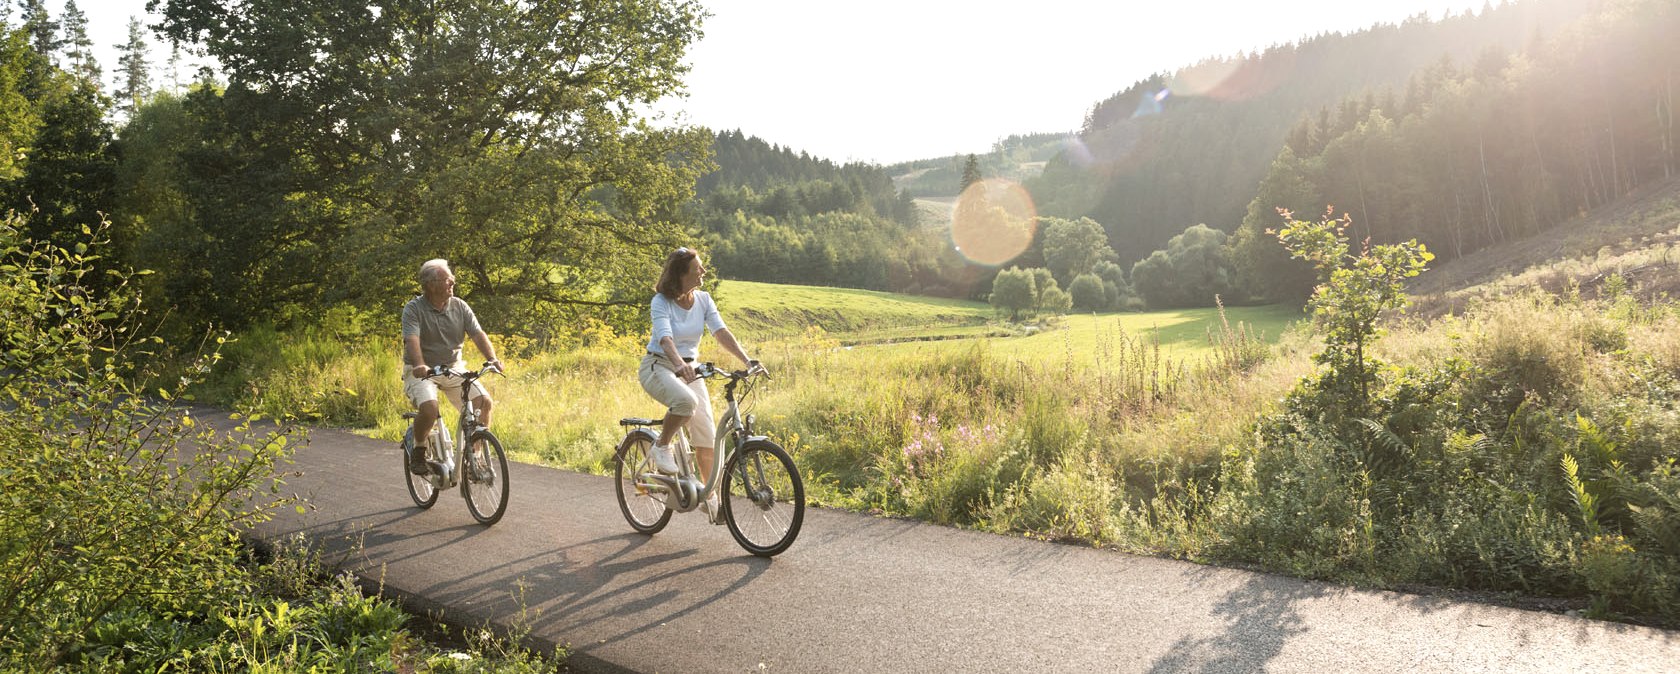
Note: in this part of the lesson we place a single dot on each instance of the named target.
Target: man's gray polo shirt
(441, 332)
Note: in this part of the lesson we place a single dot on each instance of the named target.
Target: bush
(131, 501)
(1088, 293)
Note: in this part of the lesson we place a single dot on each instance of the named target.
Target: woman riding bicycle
(681, 314)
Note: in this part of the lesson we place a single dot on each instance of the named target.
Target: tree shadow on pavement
(1260, 618)
(624, 592)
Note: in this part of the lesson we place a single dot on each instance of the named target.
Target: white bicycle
(763, 497)
(482, 473)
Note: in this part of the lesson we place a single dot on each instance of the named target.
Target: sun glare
(993, 222)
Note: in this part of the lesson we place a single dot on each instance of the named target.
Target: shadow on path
(1260, 618)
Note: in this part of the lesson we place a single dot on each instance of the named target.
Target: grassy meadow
(1193, 434)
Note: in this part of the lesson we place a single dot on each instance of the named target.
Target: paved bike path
(864, 594)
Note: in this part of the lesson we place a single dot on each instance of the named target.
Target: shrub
(131, 501)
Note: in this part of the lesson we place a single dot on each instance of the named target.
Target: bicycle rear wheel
(484, 478)
(763, 498)
(643, 508)
(419, 486)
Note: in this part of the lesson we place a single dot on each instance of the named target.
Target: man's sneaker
(663, 461)
(714, 510)
(416, 459)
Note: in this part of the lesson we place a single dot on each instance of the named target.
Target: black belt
(661, 355)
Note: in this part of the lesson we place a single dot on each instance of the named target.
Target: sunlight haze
(888, 81)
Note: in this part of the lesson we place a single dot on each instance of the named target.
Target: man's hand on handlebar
(755, 367)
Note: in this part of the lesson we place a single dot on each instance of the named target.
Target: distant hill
(1018, 158)
(1186, 148)
(1470, 131)
(773, 214)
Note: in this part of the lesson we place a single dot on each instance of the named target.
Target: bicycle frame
(467, 425)
(733, 432)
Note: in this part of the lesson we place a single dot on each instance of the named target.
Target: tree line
(770, 214)
(1475, 154)
(1178, 149)
(1461, 155)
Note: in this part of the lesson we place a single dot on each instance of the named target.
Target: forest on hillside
(1190, 147)
(769, 214)
(1461, 133)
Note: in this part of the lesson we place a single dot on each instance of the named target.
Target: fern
(1585, 502)
(1395, 451)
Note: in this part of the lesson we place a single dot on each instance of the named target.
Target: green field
(898, 324)
(768, 311)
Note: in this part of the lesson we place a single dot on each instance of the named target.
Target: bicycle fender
(649, 434)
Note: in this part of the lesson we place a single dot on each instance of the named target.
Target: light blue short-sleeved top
(683, 326)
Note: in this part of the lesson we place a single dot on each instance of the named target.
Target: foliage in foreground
(120, 510)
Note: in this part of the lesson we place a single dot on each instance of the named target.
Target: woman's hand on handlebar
(755, 367)
(686, 372)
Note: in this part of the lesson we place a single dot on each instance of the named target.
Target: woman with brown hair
(681, 314)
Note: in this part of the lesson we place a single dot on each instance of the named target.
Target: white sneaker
(713, 509)
(663, 461)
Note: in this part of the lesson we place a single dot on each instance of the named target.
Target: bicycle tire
(645, 511)
(420, 487)
(490, 474)
(760, 478)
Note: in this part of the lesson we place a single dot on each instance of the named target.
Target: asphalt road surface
(863, 594)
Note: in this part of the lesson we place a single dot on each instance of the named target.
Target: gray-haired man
(434, 326)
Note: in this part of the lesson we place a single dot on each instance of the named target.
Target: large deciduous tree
(504, 135)
(1012, 290)
(1189, 272)
(1074, 247)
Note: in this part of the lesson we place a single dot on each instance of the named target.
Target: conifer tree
(79, 47)
(971, 173)
(42, 29)
(132, 68)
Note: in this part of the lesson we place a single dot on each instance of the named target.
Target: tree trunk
(1665, 122)
(1490, 209)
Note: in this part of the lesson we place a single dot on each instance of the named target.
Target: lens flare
(1236, 79)
(993, 222)
(1150, 105)
(1076, 152)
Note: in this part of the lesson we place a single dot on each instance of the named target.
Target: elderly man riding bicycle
(434, 326)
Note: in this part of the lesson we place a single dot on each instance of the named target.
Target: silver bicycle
(763, 497)
(482, 472)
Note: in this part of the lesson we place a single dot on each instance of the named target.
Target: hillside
(1190, 147)
(1634, 237)
(1019, 158)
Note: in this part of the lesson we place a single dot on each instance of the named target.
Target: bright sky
(894, 80)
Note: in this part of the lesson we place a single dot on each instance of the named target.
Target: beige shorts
(688, 399)
(421, 390)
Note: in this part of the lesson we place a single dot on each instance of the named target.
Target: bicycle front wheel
(484, 478)
(420, 487)
(763, 498)
(643, 507)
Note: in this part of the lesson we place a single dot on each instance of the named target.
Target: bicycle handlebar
(708, 370)
(469, 375)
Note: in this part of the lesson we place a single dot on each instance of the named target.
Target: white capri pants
(688, 399)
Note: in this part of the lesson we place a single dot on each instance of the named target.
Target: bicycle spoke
(766, 500)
